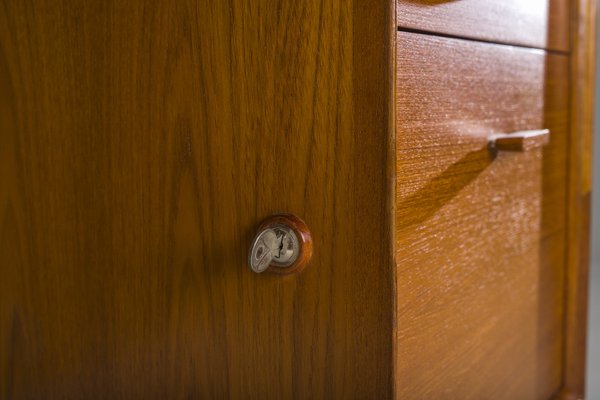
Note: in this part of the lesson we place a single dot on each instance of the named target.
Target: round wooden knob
(282, 245)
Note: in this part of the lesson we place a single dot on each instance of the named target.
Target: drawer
(533, 23)
(480, 236)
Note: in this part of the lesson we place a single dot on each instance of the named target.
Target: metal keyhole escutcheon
(283, 245)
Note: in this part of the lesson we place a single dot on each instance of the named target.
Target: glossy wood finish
(533, 23)
(480, 236)
(141, 144)
(583, 68)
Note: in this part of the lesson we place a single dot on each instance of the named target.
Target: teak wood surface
(583, 69)
(480, 233)
(142, 143)
(531, 23)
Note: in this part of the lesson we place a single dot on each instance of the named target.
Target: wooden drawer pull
(520, 141)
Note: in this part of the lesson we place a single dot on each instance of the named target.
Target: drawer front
(480, 236)
(534, 23)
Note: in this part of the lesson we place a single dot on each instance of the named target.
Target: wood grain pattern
(480, 236)
(141, 143)
(533, 23)
(583, 69)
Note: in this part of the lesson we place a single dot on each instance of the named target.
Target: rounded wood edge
(304, 240)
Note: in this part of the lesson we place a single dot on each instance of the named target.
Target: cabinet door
(141, 144)
(480, 234)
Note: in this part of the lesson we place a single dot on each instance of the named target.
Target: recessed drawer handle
(520, 141)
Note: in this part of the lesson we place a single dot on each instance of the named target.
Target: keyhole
(280, 247)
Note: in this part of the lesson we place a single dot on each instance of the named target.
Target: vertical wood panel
(583, 60)
(141, 144)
